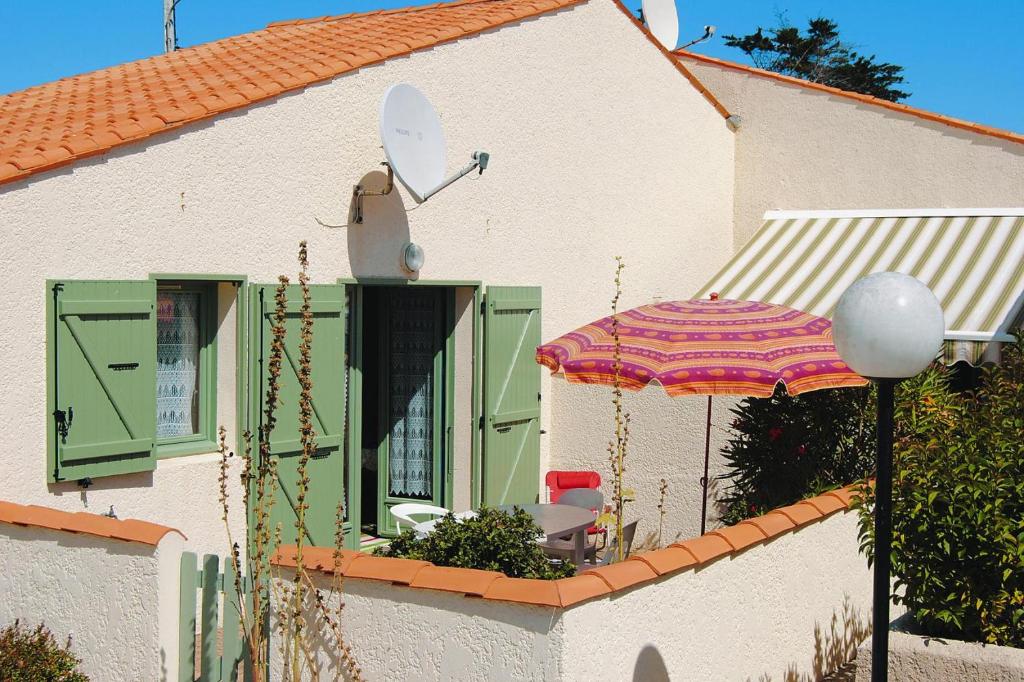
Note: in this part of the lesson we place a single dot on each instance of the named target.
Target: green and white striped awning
(972, 259)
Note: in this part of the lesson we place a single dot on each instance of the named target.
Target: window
(131, 371)
(185, 368)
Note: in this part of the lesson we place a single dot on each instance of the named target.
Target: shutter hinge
(63, 420)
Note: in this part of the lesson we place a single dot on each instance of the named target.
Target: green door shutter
(511, 453)
(326, 470)
(102, 384)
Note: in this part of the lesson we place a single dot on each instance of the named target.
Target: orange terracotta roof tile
(867, 99)
(771, 524)
(826, 504)
(623, 574)
(129, 530)
(666, 560)
(467, 580)
(844, 495)
(57, 123)
(317, 558)
(705, 548)
(740, 536)
(800, 513)
(580, 588)
(385, 568)
(525, 591)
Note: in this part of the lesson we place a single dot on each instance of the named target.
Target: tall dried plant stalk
(307, 437)
(618, 448)
(258, 478)
(662, 490)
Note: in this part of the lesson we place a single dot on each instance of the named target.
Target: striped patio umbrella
(705, 347)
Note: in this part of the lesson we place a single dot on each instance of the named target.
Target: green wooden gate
(213, 582)
(511, 441)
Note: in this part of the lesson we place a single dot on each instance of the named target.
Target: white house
(149, 208)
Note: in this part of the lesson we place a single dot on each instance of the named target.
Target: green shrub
(34, 655)
(958, 504)
(782, 449)
(493, 541)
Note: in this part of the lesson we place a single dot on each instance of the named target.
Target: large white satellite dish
(662, 21)
(413, 139)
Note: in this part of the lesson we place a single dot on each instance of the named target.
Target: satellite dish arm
(480, 160)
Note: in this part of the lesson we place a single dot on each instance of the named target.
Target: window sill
(191, 447)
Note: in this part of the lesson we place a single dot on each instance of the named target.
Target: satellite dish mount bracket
(358, 192)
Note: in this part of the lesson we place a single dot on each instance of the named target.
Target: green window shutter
(101, 354)
(326, 470)
(511, 440)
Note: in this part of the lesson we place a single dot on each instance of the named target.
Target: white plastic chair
(404, 512)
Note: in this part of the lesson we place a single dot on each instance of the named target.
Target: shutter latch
(63, 420)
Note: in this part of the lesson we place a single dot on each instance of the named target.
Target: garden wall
(782, 596)
(110, 585)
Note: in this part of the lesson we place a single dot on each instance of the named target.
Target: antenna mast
(170, 31)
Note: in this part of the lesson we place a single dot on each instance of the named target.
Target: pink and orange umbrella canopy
(705, 347)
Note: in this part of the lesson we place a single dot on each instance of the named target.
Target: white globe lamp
(887, 326)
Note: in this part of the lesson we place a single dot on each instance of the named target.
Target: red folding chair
(560, 481)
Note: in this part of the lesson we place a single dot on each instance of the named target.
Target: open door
(326, 470)
(408, 328)
(511, 429)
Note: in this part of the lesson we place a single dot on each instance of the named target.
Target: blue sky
(961, 59)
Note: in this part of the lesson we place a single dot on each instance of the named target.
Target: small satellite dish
(663, 21)
(413, 140)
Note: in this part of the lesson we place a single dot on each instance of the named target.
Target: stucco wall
(410, 634)
(792, 608)
(116, 600)
(595, 153)
(803, 149)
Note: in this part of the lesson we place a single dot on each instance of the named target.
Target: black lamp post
(887, 326)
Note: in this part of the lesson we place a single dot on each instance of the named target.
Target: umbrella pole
(704, 478)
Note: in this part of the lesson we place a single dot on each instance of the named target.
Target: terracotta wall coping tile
(468, 580)
(128, 530)
(591, 583)
(666, 560)
(826, 504)
(772, 524)
(623, 574)
(867, 99)
(525, 591)
(705, 548)
(800, 513)
(740, 536)
(580, 588)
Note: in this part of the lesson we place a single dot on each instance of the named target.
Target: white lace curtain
(413, 330)
(177, 363)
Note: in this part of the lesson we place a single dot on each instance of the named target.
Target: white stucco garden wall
(798, 148)
(401, 633)
(595, 153)
(116, 600)
(794, 608)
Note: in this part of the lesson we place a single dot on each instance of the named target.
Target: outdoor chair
(404, 512)
(560, 481)
(586, 498)
(628, 533)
